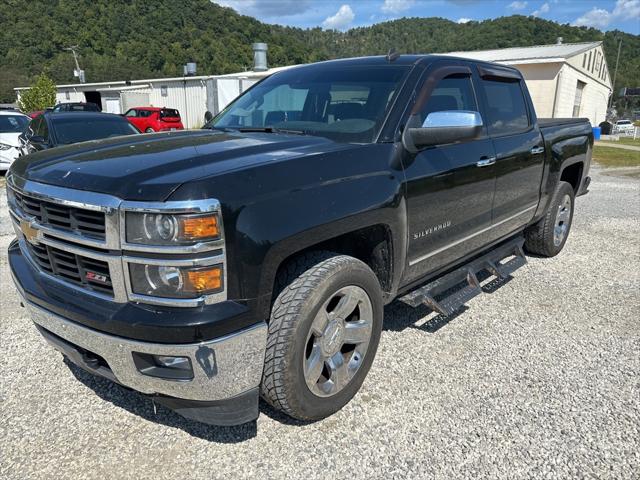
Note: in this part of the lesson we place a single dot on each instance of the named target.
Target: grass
(616, 157)
(625, 141)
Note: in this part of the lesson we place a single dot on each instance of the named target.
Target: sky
(344, 14)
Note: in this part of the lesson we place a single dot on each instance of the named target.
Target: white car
(12, 125)
(624, 127)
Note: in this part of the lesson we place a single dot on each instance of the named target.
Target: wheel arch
(379, 244)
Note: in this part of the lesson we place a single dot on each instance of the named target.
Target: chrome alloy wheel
(563, 217)
(337, 341)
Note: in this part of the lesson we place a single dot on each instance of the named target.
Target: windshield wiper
(272, 130)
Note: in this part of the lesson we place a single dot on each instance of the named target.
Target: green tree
(41, 95)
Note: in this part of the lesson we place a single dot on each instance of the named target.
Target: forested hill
(128, 39)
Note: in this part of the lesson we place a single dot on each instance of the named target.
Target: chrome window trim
(115, 247)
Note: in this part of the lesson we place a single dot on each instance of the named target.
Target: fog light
(181, 363)
(163, 366)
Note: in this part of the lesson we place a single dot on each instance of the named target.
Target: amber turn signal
(200, 228)
(204, 279)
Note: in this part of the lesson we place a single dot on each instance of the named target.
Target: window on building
(584, 60)
(589, 63)
(577, 102)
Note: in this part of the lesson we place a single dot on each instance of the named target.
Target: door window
(131, 113)
(454, 92)
(506, 109)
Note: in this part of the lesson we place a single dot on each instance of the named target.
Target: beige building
(565, 80)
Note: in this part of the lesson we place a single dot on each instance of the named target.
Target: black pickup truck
(254, 257)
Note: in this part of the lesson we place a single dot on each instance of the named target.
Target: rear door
(449, 187)
(518, 145)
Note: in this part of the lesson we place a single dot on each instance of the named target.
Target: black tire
(539, 238)
(310, 282)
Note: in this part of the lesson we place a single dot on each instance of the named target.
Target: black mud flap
(228, 412)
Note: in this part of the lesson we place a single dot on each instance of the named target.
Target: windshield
(345, 104)
(72, 130)
(13, 123)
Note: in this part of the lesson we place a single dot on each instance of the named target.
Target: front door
(449, 187)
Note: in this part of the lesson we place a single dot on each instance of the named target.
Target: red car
(154, 119)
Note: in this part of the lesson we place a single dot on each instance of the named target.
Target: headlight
(171, 229)
(4, 146)
(175, 282)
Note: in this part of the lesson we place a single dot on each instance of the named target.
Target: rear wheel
(548, 236)
(323, 335)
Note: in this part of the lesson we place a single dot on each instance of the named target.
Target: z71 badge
(428, 231)
(97, 277)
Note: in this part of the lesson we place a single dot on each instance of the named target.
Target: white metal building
(192, 96)
(565, 79)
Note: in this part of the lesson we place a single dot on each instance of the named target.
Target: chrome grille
(78, 237)
(87, 272)
(77, 220)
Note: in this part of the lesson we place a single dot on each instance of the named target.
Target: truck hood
(150, 167)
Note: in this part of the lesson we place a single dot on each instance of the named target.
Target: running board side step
(448, 293)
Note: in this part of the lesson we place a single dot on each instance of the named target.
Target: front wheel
(323, 335)
(548, 236)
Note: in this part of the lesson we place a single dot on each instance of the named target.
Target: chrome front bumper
(223, 368)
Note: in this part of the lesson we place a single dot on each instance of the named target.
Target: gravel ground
(537, 379)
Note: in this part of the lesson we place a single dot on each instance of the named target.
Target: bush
(41, 95)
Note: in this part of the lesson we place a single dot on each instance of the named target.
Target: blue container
(596, 133)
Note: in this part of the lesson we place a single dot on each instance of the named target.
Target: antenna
(393, 55)
(78, 72)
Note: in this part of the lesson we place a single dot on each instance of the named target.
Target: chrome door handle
(486, 161)
(537, 150)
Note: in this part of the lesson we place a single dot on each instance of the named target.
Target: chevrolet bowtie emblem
(30, 233)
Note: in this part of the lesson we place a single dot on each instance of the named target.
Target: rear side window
(169, 113)
(454, 92)
(71, 130)
(506, 109)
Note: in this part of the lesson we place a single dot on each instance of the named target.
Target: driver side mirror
(439, 128)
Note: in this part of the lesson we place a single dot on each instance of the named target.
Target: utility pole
(615, 74)
(78, 71)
